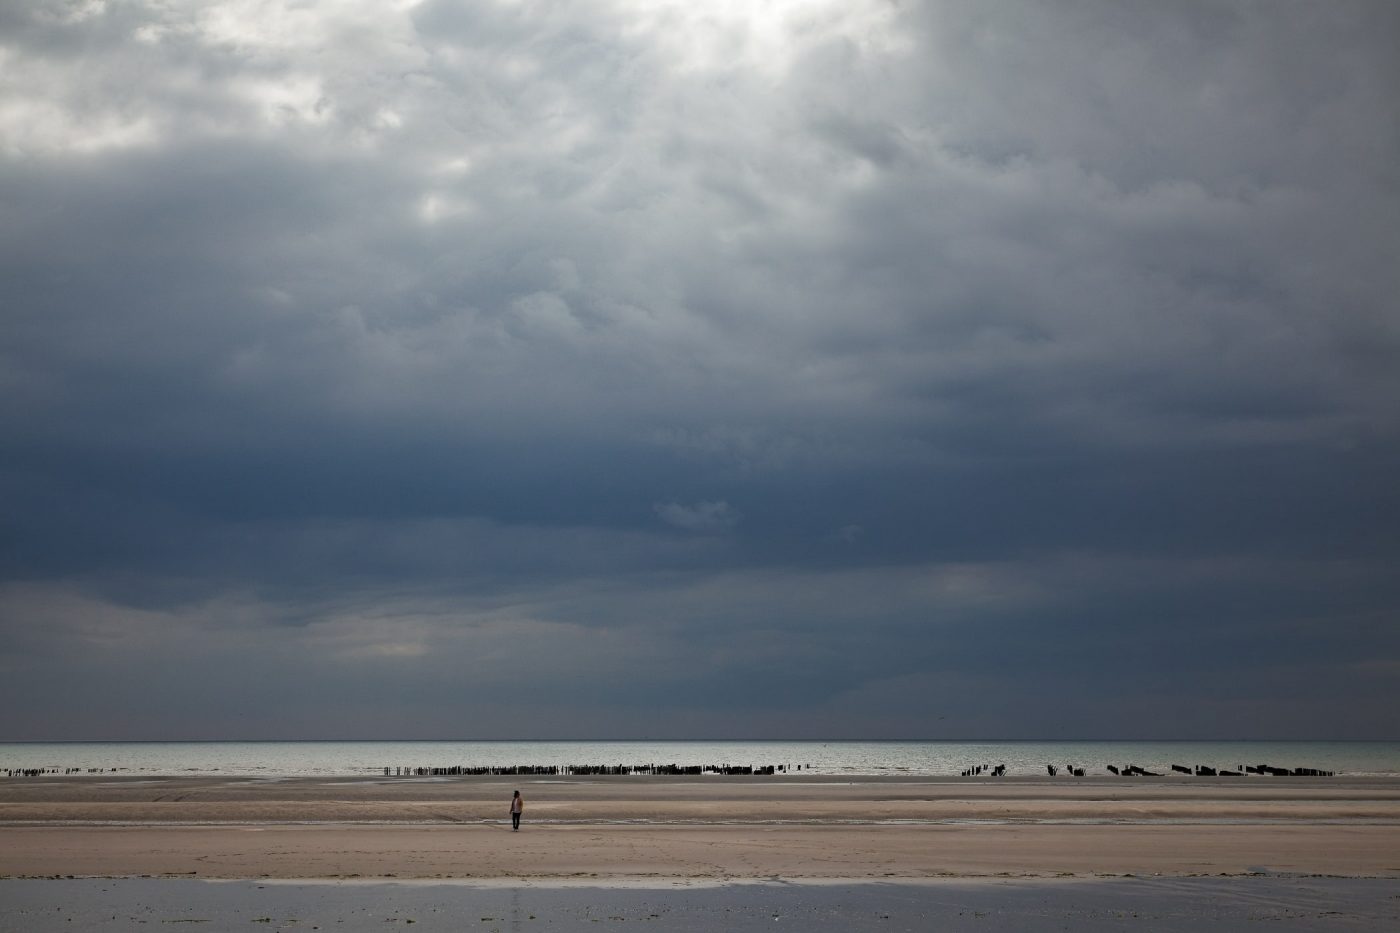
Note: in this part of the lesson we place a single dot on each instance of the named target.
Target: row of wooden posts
(1135, 771)
(1207, 771)
(583, 770)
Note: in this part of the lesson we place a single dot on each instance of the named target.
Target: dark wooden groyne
(1285, 772)
(591, 770)
(997, 771)
(580, 770)
(1208, 771)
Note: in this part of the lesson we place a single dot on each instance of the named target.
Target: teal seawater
(331, 758)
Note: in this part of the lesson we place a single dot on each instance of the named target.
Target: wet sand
(991, 906)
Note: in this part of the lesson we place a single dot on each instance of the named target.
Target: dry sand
(618, 829)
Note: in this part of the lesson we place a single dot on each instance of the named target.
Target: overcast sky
(668, 369)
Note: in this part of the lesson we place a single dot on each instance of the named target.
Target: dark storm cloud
(846, 366)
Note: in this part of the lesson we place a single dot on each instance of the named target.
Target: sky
(800, 369)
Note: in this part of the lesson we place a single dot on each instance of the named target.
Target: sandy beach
(710, 829)
(1167, 854)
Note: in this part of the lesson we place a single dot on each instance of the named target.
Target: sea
(854, 759)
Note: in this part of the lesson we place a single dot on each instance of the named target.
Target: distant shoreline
(666, 799)
(930, 759)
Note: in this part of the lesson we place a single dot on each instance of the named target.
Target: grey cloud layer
(815, 360)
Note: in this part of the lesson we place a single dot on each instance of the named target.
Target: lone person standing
(517, 806)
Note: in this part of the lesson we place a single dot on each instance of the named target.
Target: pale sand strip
(708, 852)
